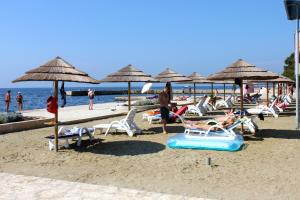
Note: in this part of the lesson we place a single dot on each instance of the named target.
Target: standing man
(7, 99)
(164, 109)
(19, 100)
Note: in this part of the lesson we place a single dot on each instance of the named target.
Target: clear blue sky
(100, 37)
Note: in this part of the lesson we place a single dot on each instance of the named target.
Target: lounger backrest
(273, 103)
(206, 101)
(201, 101)
(130, 116)
(228, 98)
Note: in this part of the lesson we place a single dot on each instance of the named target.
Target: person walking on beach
(19, 99)
(63, 95)
(7, 100)
(91, 96)
(164, 109)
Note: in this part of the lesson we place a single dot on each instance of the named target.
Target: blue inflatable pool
(208, 142)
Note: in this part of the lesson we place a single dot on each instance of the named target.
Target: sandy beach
(267, 167)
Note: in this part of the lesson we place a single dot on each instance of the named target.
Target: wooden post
(242, 103)
(129, 92)
(224, 91)
(273, 88)
(212, 89)
(268, 94)
(194, 93)
(56, 117)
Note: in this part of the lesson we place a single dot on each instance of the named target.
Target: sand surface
(267, 168)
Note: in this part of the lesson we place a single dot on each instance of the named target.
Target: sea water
(35, 98)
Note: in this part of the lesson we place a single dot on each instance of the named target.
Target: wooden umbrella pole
(273, 89)
(212, 89)
(194, 93)
(56, 117)
(129, 92)
(268, 94)
(242, 103)
(224, 91)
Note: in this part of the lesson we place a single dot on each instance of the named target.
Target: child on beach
(91, 96)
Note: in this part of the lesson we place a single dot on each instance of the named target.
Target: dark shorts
(164, 113)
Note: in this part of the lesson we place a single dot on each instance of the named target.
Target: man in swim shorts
(7, 99)
(164, 109)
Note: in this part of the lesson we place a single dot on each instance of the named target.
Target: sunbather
(204, 126)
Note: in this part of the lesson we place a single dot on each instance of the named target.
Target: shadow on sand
(274, 133)
(120, 148)
(170, 129)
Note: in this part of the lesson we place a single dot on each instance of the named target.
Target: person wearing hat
(19, 99)
(7, 100)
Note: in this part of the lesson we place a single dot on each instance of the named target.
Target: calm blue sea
(35, 98)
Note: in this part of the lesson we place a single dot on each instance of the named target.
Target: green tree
(289, 67)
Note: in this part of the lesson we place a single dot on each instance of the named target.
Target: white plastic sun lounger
(125, 125)
(262, 109)
(66, 134)
(224, 103)
(197, 109)
(228, 131)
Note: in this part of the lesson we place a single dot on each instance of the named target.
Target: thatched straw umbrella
(56, 70)
(129, 74)
(242, 70)
(196, 79)
(169, 76)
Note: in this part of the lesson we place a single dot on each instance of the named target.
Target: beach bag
(52, 105)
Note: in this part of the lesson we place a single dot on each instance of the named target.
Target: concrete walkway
(80, 113)
(29, 187)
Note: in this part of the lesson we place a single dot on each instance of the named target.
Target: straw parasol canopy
(197, 78)
(169, 75)
(242, 70)
(281, 79)
(56, 70)
(128, 74)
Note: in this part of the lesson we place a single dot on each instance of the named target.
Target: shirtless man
(91, 96)
(164, 109)
(7, 99)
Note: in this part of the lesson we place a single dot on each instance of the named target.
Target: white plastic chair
(197, 109)
(126, 125)
(262, 109)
